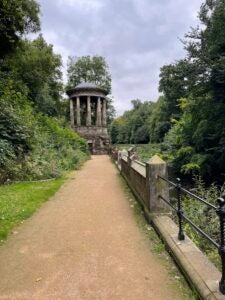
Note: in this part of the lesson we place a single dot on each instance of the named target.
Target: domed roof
(84, 86)
(87, 85)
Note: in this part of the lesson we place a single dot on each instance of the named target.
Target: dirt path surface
(83, 244)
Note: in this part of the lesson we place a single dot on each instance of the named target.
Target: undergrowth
(34, 145)
(204, 217)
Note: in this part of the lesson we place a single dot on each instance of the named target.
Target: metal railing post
(181, 236)
(221, 214)
(219, 209)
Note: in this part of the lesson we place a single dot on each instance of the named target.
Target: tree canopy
(133, 127)
(200, 131)
(16, 18)
(33, 144)
(87, 68)
(189, 116)
(39, 68)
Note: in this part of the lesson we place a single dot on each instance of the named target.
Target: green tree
(111, 112)
(200, 130)
(39, 68)
(87, 68)
(32, 145)
(16, 18)
(159, 121)
(114, 131)
(174, 83)
(132, 126)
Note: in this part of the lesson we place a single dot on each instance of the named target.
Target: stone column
(78, 110)
(99, 119)
(88, 120)
(155, 186)
(104, 123)
(71, 113)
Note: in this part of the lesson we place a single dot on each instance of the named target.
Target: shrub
(34, 146)
(55, 148)
(204, 217)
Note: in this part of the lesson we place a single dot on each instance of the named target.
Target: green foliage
(194, 98)
(15, 130)
(33, 146)
(16, 18)
(197, 131)
(174, 85)
(110, 112)
(39, 69)
(19, 201)
(91, 69)
(133, 126)
(204, 217)
(158, 121)
(87, 68)
(55, 148)
(114, 130)
(119, 131)
(146, 123)
(144, 151)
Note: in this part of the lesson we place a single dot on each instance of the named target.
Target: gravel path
(84, 244)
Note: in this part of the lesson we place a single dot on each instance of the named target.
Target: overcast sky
(136, 37)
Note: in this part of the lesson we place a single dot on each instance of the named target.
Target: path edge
(198, 276)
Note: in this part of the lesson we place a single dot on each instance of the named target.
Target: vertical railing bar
(181, 235)
(220, 210)
(221, 214)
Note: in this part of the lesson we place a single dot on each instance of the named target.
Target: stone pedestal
(155, 187)
(97, 138)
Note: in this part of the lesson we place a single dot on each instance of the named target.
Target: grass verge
(18, 201)
(157, 246)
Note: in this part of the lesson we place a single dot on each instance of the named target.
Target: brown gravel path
(83, 244)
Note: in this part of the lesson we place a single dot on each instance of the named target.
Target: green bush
(34, 146)
(55, 148)
(204, 217)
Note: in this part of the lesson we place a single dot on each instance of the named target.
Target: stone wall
(135, 178)
(97, 138)
(143, 180)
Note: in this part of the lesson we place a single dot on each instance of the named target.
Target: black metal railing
(219, 210)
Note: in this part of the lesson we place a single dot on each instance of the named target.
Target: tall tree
(133, 125)
(200, 131)
(87, 68)
(39, 68)
(16, 18)
(175, 82)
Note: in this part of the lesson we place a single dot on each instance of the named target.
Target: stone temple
(88, 115)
